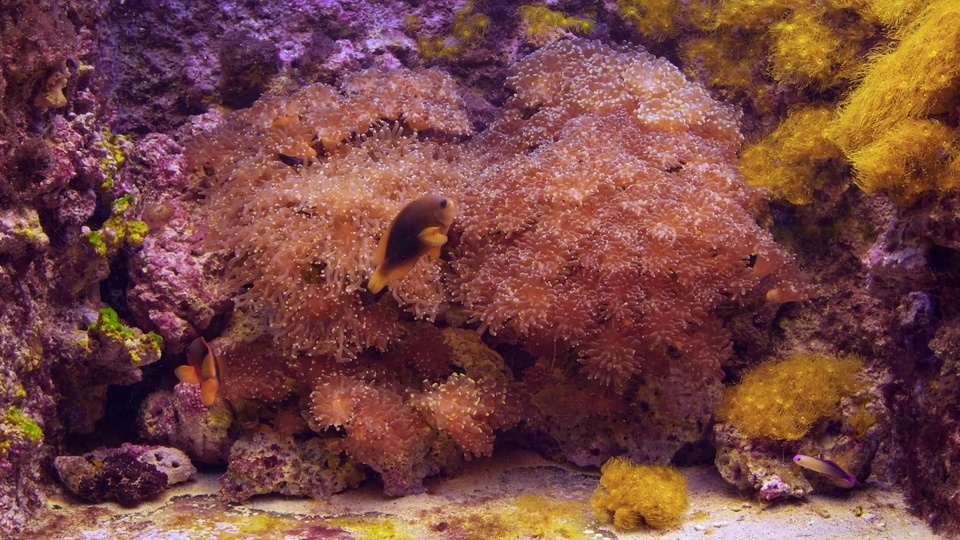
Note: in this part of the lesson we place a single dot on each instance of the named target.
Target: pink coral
(380, 429)
(301, 196)
(602, 221)
(336, 400)
(609, 215)
(466, 410)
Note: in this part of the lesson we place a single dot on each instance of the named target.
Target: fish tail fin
(377, 281)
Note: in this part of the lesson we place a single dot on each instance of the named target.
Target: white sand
(486, 492)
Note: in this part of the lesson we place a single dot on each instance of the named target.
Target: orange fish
(203, 369)
(419, 229)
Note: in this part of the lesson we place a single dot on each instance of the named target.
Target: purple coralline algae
(268, 462)
(170, 284)
(128, 474)
(180, 419)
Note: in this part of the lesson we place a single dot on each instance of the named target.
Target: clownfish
(827, 468)
(203, 369)
(419, 229)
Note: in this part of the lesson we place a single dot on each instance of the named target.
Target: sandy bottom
(514, 496)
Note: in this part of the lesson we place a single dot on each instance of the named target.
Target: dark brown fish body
(419, 229)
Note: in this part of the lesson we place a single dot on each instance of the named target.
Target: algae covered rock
(129, 474)
(267, 462)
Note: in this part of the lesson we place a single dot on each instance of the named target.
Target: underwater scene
(479, 269)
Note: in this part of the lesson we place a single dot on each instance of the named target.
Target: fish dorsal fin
(432, 236)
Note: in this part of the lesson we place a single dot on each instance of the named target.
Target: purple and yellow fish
(419, 229)
(827, 468)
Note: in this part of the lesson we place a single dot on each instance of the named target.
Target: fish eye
(443, 203)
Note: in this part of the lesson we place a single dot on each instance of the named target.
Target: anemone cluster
(601, 218)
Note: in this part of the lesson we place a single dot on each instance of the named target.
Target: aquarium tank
(479, 269)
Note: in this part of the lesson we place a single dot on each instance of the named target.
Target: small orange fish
(827, 468)
(203, 369)
(419, 229)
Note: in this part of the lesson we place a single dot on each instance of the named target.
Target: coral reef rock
(128, 474)
(267, 462)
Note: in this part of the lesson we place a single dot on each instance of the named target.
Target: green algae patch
(23, 424)
(108, 323)
(523, 516)
(95, 239)
(15, 425)
(156, 338)
(140, 348)
(203, 517)
(118, 230)
(116, 149)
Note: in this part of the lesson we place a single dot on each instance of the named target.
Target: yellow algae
(375, 527)
(545, 517)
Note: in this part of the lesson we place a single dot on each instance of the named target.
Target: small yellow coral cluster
(630, 495)
(542, 24)
(784, 399)
(467, 30)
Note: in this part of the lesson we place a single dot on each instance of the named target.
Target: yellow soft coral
(468, 29)
(783, 400)
(651, 17)
(631, 494)
(803, 50)
(542, 24)
(790, 160)
(888, 126)
(895, 12)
